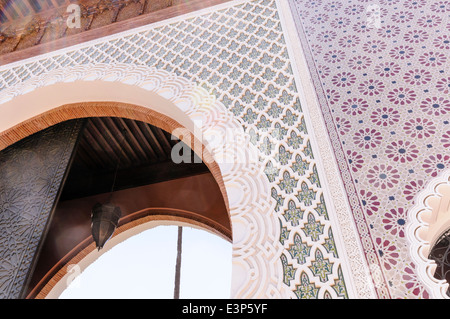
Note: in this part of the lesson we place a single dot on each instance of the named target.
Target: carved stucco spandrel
(31, 172)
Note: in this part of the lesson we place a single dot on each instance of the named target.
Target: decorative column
(32, 173)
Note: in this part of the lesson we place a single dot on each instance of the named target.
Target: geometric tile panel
(381, 74)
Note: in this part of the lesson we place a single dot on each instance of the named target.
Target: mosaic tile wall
(239, 55)
(380, 70)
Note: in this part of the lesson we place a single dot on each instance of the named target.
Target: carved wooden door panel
(32, 172)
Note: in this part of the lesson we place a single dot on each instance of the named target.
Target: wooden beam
(115, 137)
(134, 143)
(95, 144)
(145, 19)
(18, 8)
(109, 142)
(55, 3)
(29, 6)
(7, 14)
(163, 141)
(151, 137)
(83, 184)
(136, 131)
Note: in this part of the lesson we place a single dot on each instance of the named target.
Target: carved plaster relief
(31, 172)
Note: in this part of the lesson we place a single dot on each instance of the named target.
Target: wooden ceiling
(123, 153)
(109, 141)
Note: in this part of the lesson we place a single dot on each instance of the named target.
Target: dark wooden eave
(126, 154)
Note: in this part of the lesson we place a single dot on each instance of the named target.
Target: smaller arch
(196, 192)
(440, 253)
(55, 281)
(429, 219)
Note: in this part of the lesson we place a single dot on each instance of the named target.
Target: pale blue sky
(144, 267)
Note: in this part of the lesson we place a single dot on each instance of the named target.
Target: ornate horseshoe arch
(139, 92)
(429, 219)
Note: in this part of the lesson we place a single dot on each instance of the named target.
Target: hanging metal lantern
(105, 218)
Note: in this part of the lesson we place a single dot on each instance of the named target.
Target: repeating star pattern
(385, 85)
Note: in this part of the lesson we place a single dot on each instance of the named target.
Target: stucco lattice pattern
(239, 55)
(381, 73)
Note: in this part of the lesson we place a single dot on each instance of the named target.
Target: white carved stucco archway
(256, 268)
(428, 220)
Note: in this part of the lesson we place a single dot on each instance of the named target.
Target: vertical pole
(176, 293)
